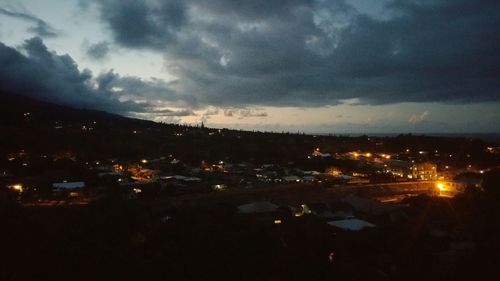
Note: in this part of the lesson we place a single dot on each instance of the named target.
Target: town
(141, 159)
(63, 178)
(312, 199)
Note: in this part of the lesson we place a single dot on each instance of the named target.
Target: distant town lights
(219, 187)
(17, 187)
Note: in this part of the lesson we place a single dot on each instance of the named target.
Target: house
(351, 224)
(317, 153)
(399, 168)
(459, 184)
(449, 188)
(334, 171)
(424, 171)
(290, 179)
(309, 179)
(71, 189)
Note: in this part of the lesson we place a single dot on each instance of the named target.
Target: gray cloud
(40, 28)
(44, 75)
(243, 113)
(239, 53)
(250, 113)
(209, 113)
(155, 90)
(138, 24)
(98, 51)
(170, 112)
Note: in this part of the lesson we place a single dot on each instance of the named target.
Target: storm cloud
(141, 24)
(314, 53)
(42, 74)
(234, 58)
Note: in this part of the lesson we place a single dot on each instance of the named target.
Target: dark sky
(424, 66)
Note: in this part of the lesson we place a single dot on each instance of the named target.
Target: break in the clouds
(312, 53)
(416, 119)
(39, 26)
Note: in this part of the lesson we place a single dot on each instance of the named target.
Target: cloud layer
(312, 53)
(45, 75)
(237, 58)
(35, 71)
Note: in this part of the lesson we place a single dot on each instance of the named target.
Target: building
(399, 168)
(317, 153)
(291, 179)
(71, 189)
(351, 224)
(449, 188)
(334, 171)
(459, 184)
(424, 171)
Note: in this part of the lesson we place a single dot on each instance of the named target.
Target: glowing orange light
(17, 187)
